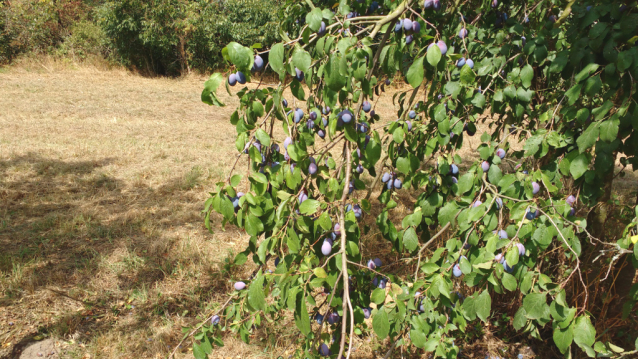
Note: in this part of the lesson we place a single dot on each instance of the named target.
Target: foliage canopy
(556, 76)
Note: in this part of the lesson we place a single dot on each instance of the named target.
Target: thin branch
(199, 326)
(342, 250)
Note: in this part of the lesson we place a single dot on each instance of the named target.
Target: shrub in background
(170, 37)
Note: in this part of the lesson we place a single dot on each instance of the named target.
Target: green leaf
(378, 295)
(199, 352)
(240, 56)
(410, 239)
(301, 316)
(535, 305)
(512, 256)
(297, 90)
(254, 226)
(313, 19)
(509, 282)
(434, 55)
(589, 137)
(373, 152)
(585, 72)
(209, 94)
(301, 59)
(447, 213)
(519, 319)
(293, 242)
(478, 100)
(483, 305)
(431, 345)
(263, 137)
(625, 59)
(256, 293)
(494, 174)
(465, 182)
(418, 338)
(584, 331)
(524, 95)
(527, 74)
(452, 88)
(573, 94)
(563, 337)
(380, 324)
(593, 85)
(320, 273)
(415, 72)
(309, 206)
(467, 75)
(333, 77)
(466, 267)
(429, 268)
(398, 135)
(579, 165)
(234, 180)
(276, 59)
(609, 129)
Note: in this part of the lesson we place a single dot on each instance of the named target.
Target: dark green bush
(27, 25)
(170, 36)
(84, 38)
(44, 26)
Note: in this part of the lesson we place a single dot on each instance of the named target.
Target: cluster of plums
(500, 258)
(432, 4)
(391, 181)
(462, 62)
(411, 28)
(356, 209)
(258, 65)
(239, 76)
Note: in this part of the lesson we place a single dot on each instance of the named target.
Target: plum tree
(550, 82)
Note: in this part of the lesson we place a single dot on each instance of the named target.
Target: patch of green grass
(192, 178)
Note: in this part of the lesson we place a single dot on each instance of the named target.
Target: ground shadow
(64, 216)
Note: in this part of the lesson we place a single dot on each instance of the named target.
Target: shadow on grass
(60, 222)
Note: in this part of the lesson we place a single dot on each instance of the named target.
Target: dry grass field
(103, 175)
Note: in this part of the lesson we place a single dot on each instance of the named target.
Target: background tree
(520, 226)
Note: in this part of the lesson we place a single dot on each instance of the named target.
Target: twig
(580, 274)
(199, 326)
